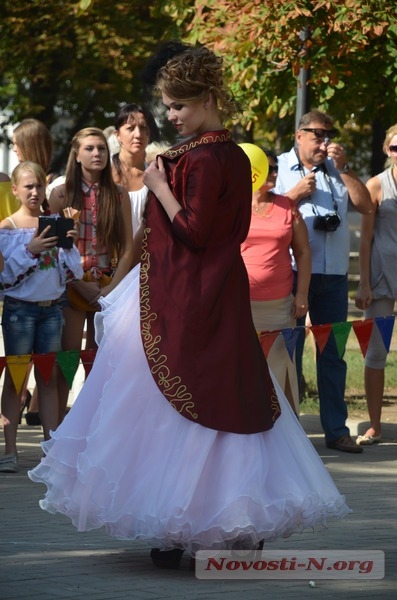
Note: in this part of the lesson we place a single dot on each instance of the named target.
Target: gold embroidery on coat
(177, 393)
(224, 136)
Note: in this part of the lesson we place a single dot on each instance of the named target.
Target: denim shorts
(29, 328)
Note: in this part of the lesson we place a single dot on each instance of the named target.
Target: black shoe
(345, 444)
(32, 418)
(166, 559)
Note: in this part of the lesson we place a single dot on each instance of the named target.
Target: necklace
(262, 209)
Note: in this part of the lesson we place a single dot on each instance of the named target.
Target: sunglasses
(275, 169)
(393, 148)
(321, 133)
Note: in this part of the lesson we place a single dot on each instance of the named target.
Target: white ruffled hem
(125, 460)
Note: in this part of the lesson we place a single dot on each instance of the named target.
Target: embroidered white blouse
(35, 278)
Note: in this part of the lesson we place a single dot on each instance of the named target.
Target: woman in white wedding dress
(179, 437)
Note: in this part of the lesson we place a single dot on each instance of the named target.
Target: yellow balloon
(259, 164)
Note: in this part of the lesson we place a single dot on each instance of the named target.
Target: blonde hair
(390, 133)
(34, 142)
(194, 75)
(31, 167)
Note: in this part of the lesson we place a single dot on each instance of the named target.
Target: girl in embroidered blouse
(105, 237)
(34, 277)
(176, 437)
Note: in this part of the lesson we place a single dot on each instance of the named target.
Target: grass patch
(355, 396)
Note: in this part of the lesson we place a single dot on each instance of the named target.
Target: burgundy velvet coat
(197, 330)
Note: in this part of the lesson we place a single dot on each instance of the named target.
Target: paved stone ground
(43, 557)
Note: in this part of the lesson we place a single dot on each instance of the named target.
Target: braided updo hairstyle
(195, 74)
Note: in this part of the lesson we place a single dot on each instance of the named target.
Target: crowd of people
(184, 435)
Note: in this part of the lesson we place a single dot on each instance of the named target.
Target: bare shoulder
(57, 198)
(375, 189)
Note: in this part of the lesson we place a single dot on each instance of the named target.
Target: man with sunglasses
(316, 176)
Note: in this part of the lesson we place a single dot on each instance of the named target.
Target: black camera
(329, 222)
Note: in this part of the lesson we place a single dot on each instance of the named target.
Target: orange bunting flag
(321, 334)
(18, 367)
(44, 363)
(363, 330)
(267, 340)
(68, 362)
(87, 358)
(341, 333)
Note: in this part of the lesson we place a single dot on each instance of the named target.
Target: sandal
(367, 440)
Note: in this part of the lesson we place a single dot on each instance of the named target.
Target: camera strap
(323, 168)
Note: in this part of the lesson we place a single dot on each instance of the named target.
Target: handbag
(76, 300)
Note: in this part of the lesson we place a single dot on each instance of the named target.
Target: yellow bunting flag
(18, 367)
(68, 362)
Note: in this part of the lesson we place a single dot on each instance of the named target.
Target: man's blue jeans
(328, 303)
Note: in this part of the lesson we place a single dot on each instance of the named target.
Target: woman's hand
(363, 296)
(154, 177)
(299, 306)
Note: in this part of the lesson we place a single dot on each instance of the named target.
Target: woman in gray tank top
(377, 290)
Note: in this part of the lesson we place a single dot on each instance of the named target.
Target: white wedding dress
(125, 460)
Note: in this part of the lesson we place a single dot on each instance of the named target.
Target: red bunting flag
(321, 334)
(3, 362)
(267, 340)
(363, 330)
(87, 358)
(45, 364)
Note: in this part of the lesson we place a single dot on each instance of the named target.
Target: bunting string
(340, 331)
(70, 360)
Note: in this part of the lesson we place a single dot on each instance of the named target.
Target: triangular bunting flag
(45, 364)
(267, 340)
(87, 358)
(341, 333)
(18, 367)
(385, 326)
(290, 338)
(68, 362)
(363, 330)
(3, 363)
(321, 334)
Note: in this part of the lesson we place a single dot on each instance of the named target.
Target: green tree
(351, 56)
(73, 63)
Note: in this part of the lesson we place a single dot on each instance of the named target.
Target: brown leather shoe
(345, 444)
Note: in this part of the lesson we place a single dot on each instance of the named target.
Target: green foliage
(74, 60)
(351, 54)
(79, 59)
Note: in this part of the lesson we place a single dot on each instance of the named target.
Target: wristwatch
(344, 169)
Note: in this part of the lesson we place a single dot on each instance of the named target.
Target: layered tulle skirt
(125, 460)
